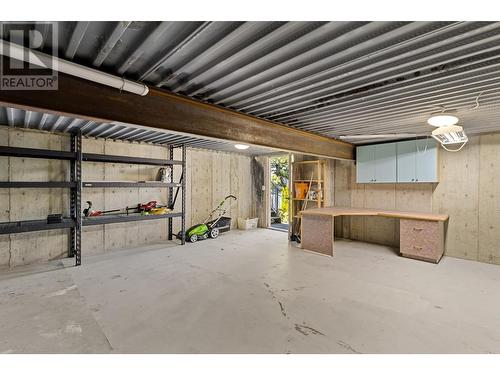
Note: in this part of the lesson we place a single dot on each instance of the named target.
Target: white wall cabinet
(376, 163)
(365, 164)
(405, 162)
(426, 160)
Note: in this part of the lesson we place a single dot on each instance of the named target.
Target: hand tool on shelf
(171, 207)
(88, 212)
(151, 207)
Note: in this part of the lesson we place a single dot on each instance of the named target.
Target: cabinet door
(385, 166)
(365, 164)
(426, 160)
(406, 161)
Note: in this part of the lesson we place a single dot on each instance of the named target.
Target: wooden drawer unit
(422, 239)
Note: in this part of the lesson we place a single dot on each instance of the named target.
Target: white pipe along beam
(43, 60)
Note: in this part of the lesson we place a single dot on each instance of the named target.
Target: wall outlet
(263, 187)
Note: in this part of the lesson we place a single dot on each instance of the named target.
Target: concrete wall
(31, 204)
(468, 191)
(210, 177)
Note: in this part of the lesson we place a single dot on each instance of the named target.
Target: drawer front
(421, 239)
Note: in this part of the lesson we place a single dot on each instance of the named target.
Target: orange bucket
(301, 190)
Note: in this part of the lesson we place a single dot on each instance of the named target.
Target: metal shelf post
(171, 192)
(183, 188)
(76, 199)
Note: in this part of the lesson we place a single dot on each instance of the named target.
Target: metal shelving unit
(75, 222)
(169, 163)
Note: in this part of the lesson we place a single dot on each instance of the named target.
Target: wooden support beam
(163, 110)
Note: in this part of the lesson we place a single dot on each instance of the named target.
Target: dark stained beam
(162, 110)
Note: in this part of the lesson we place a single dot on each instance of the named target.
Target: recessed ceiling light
(241, 147)
(442, 120)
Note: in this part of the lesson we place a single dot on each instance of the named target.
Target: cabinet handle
(417, 247)
(418, 229)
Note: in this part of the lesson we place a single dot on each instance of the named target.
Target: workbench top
(349, 211)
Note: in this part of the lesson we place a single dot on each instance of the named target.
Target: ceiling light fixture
(450, 135)
(442, 120)
(241, 147)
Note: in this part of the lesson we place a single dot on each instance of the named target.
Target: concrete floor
(280, 226)
(248, 292)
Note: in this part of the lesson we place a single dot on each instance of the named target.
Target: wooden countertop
(348, 211)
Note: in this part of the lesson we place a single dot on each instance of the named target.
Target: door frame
(267, 179)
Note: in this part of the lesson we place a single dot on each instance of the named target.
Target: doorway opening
(279, 191)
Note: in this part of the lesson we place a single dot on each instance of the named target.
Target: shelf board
(312, 200)
(110, 219)
(308, 162)
(33, 226)
(307, 180)
(37, 184)
(126, 184)
(36, 153)
(127, 159)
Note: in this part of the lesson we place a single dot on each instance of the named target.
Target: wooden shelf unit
(312, 172)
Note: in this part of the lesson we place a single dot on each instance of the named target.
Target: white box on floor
(246, 224)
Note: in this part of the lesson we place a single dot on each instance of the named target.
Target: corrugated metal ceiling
(331, 78)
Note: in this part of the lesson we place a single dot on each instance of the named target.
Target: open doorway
(279, 192)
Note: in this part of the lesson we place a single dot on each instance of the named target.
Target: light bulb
(241, 147)
(442, 120)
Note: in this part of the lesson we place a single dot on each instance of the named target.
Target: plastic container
(247, 224)
(301, 189)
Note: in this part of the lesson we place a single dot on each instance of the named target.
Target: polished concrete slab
(249, 292)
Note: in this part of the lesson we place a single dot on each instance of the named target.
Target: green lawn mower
(211, 227)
